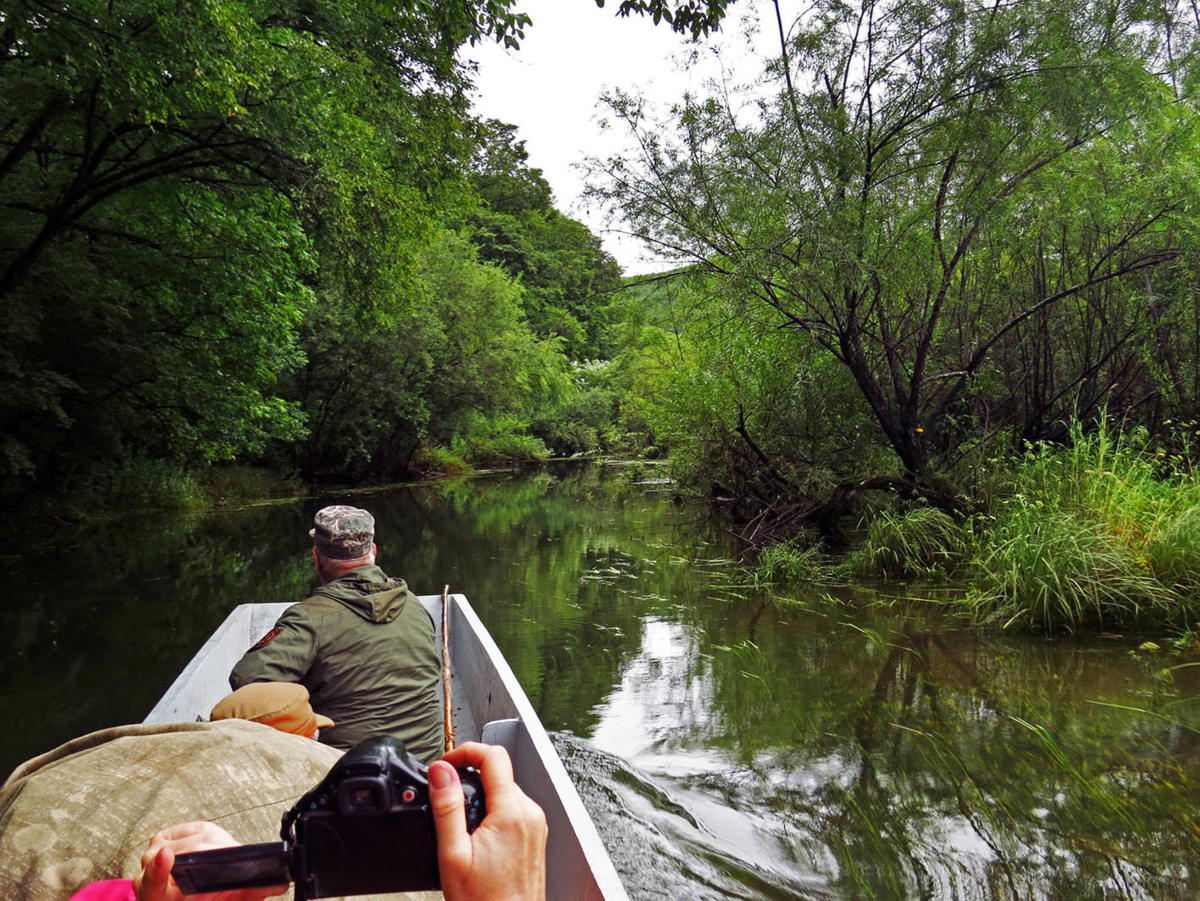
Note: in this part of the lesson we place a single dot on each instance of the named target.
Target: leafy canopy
(180, 183)
(900, 199)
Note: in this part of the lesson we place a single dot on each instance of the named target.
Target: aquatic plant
(1053, 569)
(789, 562)
(922, 542)
(1096, 533)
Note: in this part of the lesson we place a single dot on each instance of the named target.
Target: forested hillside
(274, 233)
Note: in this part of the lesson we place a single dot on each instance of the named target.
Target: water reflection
(729, 742)
(889, 757)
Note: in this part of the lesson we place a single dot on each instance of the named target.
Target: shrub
(581, 423)
(154, 484)
(440, 460)
(480, 439)
(238, 483)
(634, 472)
(499, 448)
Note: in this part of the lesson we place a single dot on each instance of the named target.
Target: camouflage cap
(343, 533)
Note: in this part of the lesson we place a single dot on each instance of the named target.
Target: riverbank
(152, 486)
(1093, 536)
(1099, 535)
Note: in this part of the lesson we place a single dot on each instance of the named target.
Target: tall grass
(923, 543)
(1173, 553)
(238, 483)
(787, 562)
(1046, 568)
(151, 484)
(1095, 534)
(1103, 532)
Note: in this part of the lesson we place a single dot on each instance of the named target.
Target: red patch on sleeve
(267, 639)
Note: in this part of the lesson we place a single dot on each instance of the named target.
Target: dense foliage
(956, 212)
(183, 184)
(958, 220)
(931, 236)
(567, 277)
(568, 284)
(694, 17)
(230, 232)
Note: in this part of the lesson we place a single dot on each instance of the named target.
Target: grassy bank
(161, 485)
(145, 484)
(1102, 534)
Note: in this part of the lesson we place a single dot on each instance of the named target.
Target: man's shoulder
(313, 608)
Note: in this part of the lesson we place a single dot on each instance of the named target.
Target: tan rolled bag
(86, 810)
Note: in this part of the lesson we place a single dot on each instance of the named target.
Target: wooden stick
(447, 692)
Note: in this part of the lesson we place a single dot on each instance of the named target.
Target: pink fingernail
(441, 775)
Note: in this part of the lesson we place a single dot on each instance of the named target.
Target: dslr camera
(366, 828)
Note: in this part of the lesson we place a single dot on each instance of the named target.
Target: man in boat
(362, 644)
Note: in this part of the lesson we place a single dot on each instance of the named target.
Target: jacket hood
(368, 592)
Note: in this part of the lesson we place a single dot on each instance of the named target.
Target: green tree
(178, 179)
(714, 392)
(697, 17)
(457, 353)
(568, 277)
(927, 182)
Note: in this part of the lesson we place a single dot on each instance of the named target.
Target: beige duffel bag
(86, 810)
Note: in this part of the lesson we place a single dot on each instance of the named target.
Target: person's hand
(154, 883)
(505, 858)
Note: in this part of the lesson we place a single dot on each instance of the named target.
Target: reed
(788, 563)
(923, 543)
(1054, 569)
(1173, 552)
(1100, 533)
(146, 484)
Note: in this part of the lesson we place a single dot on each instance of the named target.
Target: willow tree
(923, 179)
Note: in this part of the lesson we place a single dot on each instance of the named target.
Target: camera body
(365, 828)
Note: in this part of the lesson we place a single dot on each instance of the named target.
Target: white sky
(574, 51)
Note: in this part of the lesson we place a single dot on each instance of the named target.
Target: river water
(730, 741)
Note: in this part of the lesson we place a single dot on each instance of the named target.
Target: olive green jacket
(365, 649)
